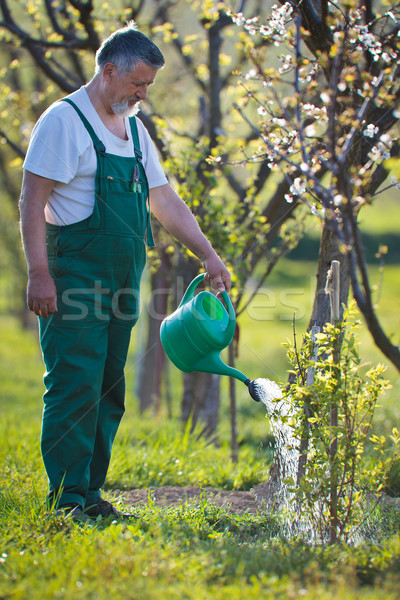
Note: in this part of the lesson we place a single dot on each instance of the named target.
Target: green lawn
(193, 551)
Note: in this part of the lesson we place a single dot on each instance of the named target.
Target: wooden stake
(333, 289)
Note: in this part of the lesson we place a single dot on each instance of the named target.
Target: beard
(125, 109)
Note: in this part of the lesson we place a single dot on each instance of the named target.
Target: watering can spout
(213, 363)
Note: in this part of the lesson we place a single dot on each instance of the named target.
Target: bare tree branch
(17, 149)
(362, 293)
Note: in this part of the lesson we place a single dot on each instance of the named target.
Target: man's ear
(109, 72)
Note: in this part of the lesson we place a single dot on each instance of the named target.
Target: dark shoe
(105, 510)
(75, 512)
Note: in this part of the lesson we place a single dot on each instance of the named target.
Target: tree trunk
(200, 402)
(329, 250)
(153, 362)
(321, 314)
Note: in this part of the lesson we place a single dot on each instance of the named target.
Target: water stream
(285, 468)
(286, 446)
(286, 462)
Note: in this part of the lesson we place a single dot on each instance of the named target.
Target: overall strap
(138, 155)
(135, 138)
(97, 143)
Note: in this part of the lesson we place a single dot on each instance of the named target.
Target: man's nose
(142, 92)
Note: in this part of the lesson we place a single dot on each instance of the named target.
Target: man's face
(128, 90)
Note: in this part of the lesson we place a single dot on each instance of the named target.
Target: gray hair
(125, 48)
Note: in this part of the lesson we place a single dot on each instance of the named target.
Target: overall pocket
(125, 207)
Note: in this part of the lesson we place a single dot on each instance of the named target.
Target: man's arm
(178, 220)
(41, 291)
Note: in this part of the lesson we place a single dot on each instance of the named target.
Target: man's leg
(74, 356)
(111, 406)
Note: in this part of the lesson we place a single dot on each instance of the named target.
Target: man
(90, 174)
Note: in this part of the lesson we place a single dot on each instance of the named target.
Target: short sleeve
(52, 152)
(154, 171)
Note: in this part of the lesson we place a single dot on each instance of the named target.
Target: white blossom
(298, 187)
(279, 122)
(310, 109)
(251, 74)
(386, 139)
(338, 200)
(276, 23)
(310, 130)
(367, 41)
(371, 130)
(238, 18)
(379, 152)
(287, 63)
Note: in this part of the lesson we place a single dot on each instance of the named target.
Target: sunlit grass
(191, 551)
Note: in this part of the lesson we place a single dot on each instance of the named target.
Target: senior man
(91, 176)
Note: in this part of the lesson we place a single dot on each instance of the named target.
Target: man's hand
(217, 273)
(42, 295)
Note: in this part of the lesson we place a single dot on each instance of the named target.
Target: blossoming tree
(326, 119)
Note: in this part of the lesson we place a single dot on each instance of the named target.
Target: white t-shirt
(61, 149)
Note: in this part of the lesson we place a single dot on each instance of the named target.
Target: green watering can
(194, 335)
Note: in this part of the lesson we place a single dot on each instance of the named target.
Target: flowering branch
(331, 138)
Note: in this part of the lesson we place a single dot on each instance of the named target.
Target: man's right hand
(42, 294)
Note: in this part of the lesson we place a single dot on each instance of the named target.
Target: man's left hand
(217, 273)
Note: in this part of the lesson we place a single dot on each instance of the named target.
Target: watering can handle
(231, 313)
(190, 293)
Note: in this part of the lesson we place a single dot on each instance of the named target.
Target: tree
(326, 120)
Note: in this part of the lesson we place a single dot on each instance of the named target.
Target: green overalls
(96, 264)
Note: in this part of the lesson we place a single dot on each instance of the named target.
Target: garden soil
(236, 502)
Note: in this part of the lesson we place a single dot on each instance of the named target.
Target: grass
(187, 552)
(192, 551)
